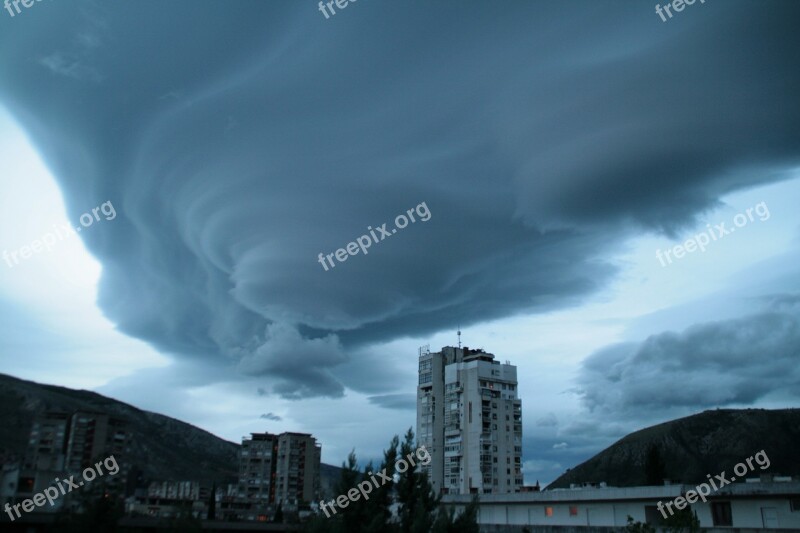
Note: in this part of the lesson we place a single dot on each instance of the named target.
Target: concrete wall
(747, 513)
(583, 512)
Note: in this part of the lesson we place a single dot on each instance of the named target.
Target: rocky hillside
(691, 447)
(162, 447)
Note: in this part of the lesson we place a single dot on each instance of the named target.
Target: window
(653, 516)
(573, 510)
(548, 511)
(795, 504)
(721, 513)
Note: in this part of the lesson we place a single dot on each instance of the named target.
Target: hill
(706, 443)
(162, 447)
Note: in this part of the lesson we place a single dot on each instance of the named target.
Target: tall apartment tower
(95, 436)
(257, 458)
(279, 469)
(297, 469)
(470, 419)
(47, 444)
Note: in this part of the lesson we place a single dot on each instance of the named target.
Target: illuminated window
(548, 511)
(573, 511)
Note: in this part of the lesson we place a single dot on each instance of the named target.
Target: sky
(551, 153)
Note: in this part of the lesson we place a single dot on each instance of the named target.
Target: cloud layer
(716, 364)
(540, 137)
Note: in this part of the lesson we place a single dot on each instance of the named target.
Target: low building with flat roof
(752, 505)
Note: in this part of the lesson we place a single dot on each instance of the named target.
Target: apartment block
(297, 469)
(60, 443)
(257, 465)
(469, 417)
(93, 437)
(279, 469)
(47, 442)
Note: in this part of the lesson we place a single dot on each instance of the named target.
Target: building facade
(93, 437)
(751, 506)
(277, 470)
(257, 459)
(48, 442)
(62, 444)
(469, 417)
(297, 469)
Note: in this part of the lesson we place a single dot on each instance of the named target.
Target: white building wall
(610, 507)
(747, 513)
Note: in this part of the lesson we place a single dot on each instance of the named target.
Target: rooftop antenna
(459, 335)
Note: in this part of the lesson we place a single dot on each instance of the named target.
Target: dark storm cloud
(238, 141)
(271, 416)
(716, 364)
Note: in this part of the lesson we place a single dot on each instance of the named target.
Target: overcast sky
(556, 145)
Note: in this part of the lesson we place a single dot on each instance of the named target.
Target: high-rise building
(279, 469)
(297, 469)
(257, 467)
(469, 417)
(62, 443)
(94, 437)
(47, 442)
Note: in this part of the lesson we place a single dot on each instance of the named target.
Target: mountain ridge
(692, 447)
(161, 446)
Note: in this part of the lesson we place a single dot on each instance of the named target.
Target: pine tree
(418, 509)
(654, 468)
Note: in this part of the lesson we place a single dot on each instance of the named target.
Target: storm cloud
(238, 141)
(715, 364)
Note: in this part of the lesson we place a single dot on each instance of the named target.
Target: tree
(212, 502)
(98, 506)
(683, 521)
(638, 527)
(654, 467)
(418, 509)
(466, 522)
(417, 501)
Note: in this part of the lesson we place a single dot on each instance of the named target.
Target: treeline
(405, 504)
